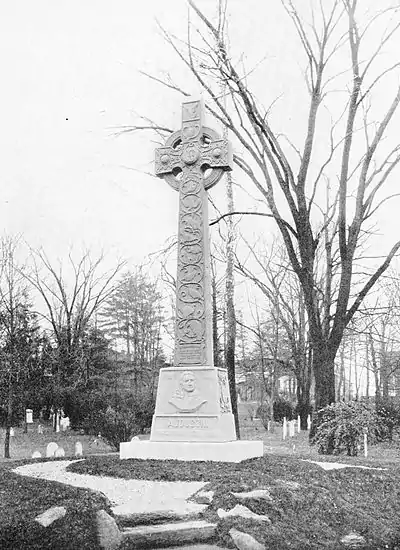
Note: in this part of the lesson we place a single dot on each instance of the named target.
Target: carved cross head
(193, 148)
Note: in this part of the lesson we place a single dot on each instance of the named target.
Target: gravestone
(29, 416)
(40, 429)
(12, 432)
(51, 449)
(59, 452)
(37, 454)
(193, 413)
(78, 449)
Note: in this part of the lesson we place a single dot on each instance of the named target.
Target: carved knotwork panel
(224, 396)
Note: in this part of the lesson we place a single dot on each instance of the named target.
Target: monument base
(231, 451)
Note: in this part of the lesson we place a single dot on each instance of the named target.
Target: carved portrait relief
(187, 398)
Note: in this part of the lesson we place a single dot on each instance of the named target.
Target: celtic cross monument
(193, 417)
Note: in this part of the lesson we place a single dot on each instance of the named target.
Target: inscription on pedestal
(189, 423)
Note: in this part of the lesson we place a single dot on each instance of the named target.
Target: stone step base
(155, 518)
(231, 451)
(168, 534)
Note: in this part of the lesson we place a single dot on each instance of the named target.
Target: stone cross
(193, 160)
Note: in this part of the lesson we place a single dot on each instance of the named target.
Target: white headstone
(135, 438)
(291, 428)
(51, 449)
(59, 452)
(284, 430)
(36, 454)
(40, 429)
(65, 423)
(308, 422)
(78, 449)
(298, 424)
(29, 416)
(366, 444)
(12, 432)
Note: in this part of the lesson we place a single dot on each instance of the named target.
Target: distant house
(253, 385)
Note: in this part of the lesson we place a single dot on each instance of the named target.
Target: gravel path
(127, 496)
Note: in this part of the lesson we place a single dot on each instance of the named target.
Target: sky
(70, 82)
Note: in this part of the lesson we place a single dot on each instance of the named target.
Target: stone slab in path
(340, 465)
(169, 533)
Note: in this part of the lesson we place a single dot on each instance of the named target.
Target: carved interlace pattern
(191, 323)
(187, 152)
(224, 397)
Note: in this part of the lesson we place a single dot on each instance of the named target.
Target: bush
(282, 408)
(340, 427)
(121, 421)
(389, 413)
(264, 413)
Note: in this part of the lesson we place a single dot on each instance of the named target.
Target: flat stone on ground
(257, 493)
(243, 541)
(51, 515)
(109, 535)
(339, 465)
(204, 497)
(353, 540)
(242, 511)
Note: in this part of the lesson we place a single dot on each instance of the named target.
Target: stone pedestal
(193, 420)
(193, 404)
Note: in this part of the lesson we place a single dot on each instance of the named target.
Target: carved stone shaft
(184, 162)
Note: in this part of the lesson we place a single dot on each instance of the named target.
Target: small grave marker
(284, 430)
(65, 423)
(298, 424)
(308, 422)
(59, 452)
(51, 449)
(291, 428)
(78, 449)
(12, 432)
(366, 442)
(29, 416)
(37, 454)
(40, 429)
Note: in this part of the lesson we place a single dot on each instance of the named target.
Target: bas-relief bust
(187, 398)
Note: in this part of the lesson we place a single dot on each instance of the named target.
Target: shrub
(122, 420)
(264, 413)
(340, 427)
(282, 408)
(389, 413)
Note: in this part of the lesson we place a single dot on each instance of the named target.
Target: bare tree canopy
(324, 189)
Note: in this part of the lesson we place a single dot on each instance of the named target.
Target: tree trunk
(230, 307)
(215, 319)
(324, 373)
(10, 407)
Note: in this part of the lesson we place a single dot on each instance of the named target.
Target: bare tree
(17, 326)
(285, 300)
(72, 294)
(291, 178)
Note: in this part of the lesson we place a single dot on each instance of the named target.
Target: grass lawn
(310, 508)
(22, 499)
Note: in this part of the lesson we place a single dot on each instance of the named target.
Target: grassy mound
(23, 498)
(310, 508)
